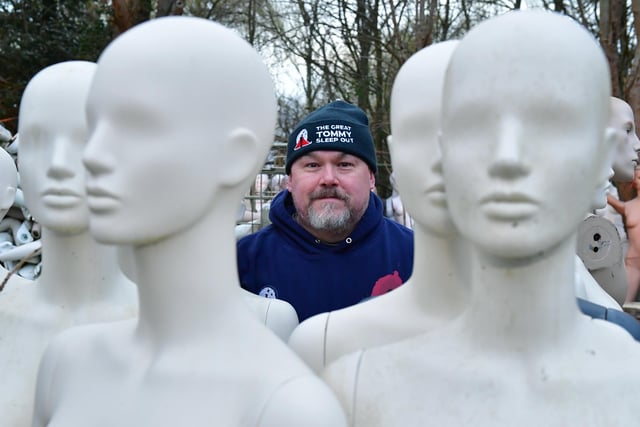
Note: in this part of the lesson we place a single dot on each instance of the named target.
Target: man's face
(626, 141)
(520, 164)
(53, 134)
(330, 190)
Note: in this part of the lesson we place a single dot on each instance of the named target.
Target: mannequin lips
(100, 200)
(61, 197)
(435, 193)
(508, 206)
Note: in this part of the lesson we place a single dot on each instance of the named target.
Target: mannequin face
(53, 134)
(415, 151)
(626, 140)
(532, 143)
(261, 183)
(143, 184)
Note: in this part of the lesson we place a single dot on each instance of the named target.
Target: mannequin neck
(440, 271)
(523, 305)
(188, 284)
(77, 271)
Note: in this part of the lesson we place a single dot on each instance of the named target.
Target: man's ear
(239, 159)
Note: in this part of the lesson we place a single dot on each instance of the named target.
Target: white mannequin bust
(182, 112)
(80, 280)
(436, 290)
(625, 157)
(534, 120)
(395, 206)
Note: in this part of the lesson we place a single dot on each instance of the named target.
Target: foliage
(37, 33)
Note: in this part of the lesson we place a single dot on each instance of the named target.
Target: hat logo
(302, 140)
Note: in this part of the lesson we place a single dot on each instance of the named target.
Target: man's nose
(329, 176)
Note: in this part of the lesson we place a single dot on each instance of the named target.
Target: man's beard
(329, 217)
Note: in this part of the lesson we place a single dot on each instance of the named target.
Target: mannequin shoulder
(64, 356)
(304, 400)
(277, 315)
(281, 318)
(308, 340)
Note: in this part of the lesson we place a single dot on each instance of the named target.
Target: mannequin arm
(617, 204)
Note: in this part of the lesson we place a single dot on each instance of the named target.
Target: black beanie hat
(338, 126)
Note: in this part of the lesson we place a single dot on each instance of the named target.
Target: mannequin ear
(240, 161)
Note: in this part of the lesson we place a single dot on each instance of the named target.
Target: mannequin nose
(436, 165)
(61, 164)
(635, 143)
(507, 161)
(95, 159)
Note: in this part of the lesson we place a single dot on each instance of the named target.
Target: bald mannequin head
(53, 134)
(525, 117)
(626, 142)
(415, 124)
(193, 129)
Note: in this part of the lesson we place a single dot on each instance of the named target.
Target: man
(329, 245)
(437, 290)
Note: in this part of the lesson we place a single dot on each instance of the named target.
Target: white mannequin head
(626, 141)
(415, 125)
(261, 183)
(53, 134)
(8, 182)
(531, 140)
(170, 139)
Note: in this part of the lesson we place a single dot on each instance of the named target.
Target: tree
(37, 33)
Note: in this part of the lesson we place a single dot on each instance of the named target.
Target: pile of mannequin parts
(20, 245)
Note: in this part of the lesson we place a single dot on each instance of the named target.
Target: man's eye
(311, 165)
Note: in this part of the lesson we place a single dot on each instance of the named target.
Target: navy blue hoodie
(285, 261)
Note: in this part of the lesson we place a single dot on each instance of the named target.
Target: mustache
(328, 192)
